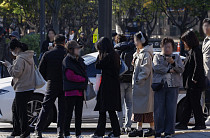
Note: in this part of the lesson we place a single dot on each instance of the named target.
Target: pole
(105, 18)
(42, 22)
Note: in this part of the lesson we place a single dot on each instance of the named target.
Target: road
(88, 129)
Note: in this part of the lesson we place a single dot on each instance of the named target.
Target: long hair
(104, 45)
(191, 39)
(139, 36)
(48, 39)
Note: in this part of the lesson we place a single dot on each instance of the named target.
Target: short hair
(191, 39)
(206, 20)
(167, 40)
(121, 38)
(59, 39)
(17, 44)
(139, 36)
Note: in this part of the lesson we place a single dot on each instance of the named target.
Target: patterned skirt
(144, 118)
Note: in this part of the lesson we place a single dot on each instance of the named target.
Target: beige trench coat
(143, 99)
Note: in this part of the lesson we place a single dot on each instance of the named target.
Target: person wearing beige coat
(143, 99)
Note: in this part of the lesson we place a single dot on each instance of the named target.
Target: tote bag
(90, 93)
(39, 80)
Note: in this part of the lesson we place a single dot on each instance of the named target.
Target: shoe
(136, 133)
(150, 133)
(111, 135)
(168, 135)
(67, 137)
(128, 130)
(37, 134)
(122, 131)
(181, 126)
(80, 136)
(199, 127)
(95, 136)
(26, 134)
(13, 135)
(158, 135)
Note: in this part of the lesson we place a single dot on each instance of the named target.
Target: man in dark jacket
(51, 69)
(126, 51)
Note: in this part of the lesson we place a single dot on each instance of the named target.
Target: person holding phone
(167, 75)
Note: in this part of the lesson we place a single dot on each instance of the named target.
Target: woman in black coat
(193, 81)
(108, 98)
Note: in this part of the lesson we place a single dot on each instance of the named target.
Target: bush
(32, 40)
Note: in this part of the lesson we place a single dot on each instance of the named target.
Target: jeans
(47, 105)
(100, 130)
(165, 102)
(19, 110)
(126, 99)
(73, 103)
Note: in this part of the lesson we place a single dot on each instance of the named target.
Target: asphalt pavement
(88, 129)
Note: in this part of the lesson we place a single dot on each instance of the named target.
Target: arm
(43, 67)
(198, 58)
(145, 68)
(70, 75)
(17, 68)
(178, 65)
(159, 68)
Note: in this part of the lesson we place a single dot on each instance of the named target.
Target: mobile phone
(50, 44)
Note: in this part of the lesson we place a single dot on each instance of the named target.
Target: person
(14, 35)
(141, 83)
(206, 61)
(75, 82)
(167, 73)
(51, 69)
(23, 82)
(2, 49)
(108, 98)
(193, 82)
(82, 40)
(48, 43)
(126, 52)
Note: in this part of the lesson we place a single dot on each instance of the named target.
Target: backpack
(127, 56)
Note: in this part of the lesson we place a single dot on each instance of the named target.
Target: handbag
(39, 80)
(98, 82)
(157, 86)
(89, 93)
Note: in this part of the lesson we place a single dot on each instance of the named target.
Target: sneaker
(37, 134)
(150, 133)
(181, 126)
(136, 133)
(168, 135)
(122, 131)
(80, 136)
(13, 135)
(199, 127)
(95, 136)
(128, 130)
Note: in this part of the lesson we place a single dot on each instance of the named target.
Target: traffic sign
(95, 38)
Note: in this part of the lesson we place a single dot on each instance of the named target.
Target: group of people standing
(149, 89)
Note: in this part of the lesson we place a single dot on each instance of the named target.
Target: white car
(7, 95)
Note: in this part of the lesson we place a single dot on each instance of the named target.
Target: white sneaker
(128, 129)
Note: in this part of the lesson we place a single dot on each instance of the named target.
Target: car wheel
(180, 109)
(34, 108)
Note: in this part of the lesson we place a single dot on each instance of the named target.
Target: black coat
(194, 70)
(79, 68)
(109, 98)
(45, 46)
(51, 68)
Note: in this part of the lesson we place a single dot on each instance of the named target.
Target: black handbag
(157, 86)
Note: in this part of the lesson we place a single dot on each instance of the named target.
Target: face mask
(14, 54)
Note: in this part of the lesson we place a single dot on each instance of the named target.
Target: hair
(139, 36)
(104, 45)
(69, 49)
(121, 38)
(190, 38)
(17, 44)
(48, 33)
(59, 39)
(167, 40)
(206, 20)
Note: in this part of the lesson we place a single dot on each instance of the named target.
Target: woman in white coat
(142, 92)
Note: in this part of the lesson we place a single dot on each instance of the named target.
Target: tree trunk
(55, 21)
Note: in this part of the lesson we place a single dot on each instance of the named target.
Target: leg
(120, 114)
(70, 103)
(100, 130)
(114, 123)
(196, 107)
(22, 99)
(159, 110)
(78, 114)
(47, 105)
(171, 102)
(61, 114)
(15, 120)
(128, 101)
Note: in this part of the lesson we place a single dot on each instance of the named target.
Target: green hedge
(32, 40)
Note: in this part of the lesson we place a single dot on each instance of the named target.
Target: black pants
(19, 110)
(100, 131)
(73, 103)
(47, 105)
(192, 104)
